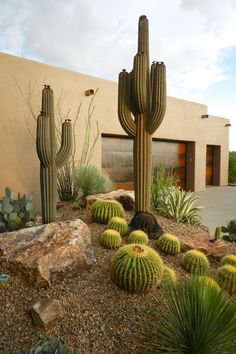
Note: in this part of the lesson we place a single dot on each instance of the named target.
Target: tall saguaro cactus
(50, 160)
(141, 109)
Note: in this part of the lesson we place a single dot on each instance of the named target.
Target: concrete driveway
(220, 206)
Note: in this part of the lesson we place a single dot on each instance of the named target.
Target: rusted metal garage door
(117, 159)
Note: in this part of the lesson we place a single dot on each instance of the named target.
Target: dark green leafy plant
(178, 205)
(14, 214)
(232, 167)
(53, 346)
(195, 317)
(231, 230)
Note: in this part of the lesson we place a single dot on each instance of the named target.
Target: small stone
(47, 313)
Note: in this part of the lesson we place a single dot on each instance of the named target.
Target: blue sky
(195, 38)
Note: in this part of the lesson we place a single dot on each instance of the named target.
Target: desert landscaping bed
(99, 317)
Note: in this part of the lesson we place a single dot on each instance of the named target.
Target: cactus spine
(142, 95)
(50, 160)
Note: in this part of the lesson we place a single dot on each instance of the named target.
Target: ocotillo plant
(141, 108)
(50, 160)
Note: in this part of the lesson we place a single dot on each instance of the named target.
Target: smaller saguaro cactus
(138, 237)
(169, 277)
(137, 268)
(50, 160)
(229, 259)
(110, 238)
(195, 262)
(103, 210)
(218, 233)
(169, 244)
(226, 277)
(118, 224)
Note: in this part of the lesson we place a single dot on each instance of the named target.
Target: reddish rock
(46, 313)
(201, 242)
(126, 198)
(46, 253)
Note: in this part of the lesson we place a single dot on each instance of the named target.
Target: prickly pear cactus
(229, 259)
(103, 210)
(195, 262)
(139, 237)
(169, 244)
(137, 268)
(231, 230)
(15, 213)
(110, 238)
(226, 277)
(169, 277)
(53, 346)
(119, 224)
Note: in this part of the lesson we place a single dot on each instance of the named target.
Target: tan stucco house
(189, 140)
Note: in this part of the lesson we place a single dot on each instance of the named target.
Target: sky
(195, 38)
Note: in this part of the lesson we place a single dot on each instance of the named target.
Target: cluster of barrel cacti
(103, 210)
(169, 244)
(138, 237)
(196, 262)
(15, 213)
(119, 224)
(110, 238)
(137, 268)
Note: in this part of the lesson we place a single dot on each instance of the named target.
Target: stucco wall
(18, 159)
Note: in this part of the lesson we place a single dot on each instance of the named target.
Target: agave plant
(178, 205)
(196, 318)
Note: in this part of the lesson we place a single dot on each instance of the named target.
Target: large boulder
(46, 253)
(126, 198)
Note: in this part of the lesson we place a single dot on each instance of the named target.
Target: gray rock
(46, 313)
(46, 253)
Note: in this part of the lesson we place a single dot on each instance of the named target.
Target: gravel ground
(100, 317)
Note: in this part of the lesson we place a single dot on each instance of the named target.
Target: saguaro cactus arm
(158, 100)
(139, 83)
(66, 144)
(43, 140)
(124, 111)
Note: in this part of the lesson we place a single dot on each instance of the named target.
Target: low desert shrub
(194, 318)
(137, 268)
(50, 347)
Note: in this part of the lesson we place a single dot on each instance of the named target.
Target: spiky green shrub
(178, 205)
(139, 237)
(226, 277)
(229, 259)
(110, 238)
(50, 347)
(119, 224)
(103, 210)
(137, 268)
(169, 244)
(88, 180)
(163, 179)
(195, 262)
(194, 318)
(15, 213)
(168, 277)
